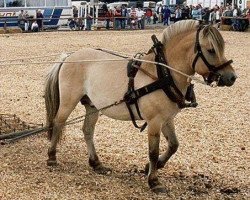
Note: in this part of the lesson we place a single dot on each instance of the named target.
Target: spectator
(140, 18)
(75, 12)
(196, 13)
(148, 15)
(79, 23)
(34, 27)
(235, 11)
(26, 24)
(178, 14)
(185, 12)
(109, 16)
(166, 15)
(124, 14)
(72, 24)
(206, 15)
(217, 15)
(39, 19)
(105, 7)
(117, 15)
(132, 18)
(160, 13)
(21, 20)
(155, 18)
(89, 19)
(227, 12)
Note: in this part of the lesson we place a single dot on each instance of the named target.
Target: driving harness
(164, 82)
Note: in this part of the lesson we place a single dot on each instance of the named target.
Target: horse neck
(180, 53)
(173, 61)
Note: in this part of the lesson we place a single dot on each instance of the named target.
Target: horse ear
(216, 25)
(206, 30)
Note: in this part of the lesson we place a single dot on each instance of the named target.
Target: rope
(54, 62)
(110, 60)
(13, 137)
(28, 58)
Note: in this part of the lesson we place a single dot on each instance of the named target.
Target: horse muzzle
(227, 79)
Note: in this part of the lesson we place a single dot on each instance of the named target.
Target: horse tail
(52, 96)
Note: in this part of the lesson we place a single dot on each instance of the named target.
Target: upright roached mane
(100, 84)
(208, 32)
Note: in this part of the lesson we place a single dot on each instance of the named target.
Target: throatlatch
(164, 82)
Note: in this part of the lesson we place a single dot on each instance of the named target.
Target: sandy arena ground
(211, 163)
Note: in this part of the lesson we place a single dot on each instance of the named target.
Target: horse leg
(56, 132)
(168, 131)
(91, 118)
(154, 141)
(58, 124)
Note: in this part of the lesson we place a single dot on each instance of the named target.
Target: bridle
(213, 70)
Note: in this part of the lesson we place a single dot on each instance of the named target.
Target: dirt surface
(212, 161)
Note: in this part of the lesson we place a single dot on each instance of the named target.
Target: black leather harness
(164, 82)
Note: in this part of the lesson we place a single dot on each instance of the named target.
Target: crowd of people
(27, 22)
(121, 17)
(136, 18)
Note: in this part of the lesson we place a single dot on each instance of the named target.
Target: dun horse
(186, 46)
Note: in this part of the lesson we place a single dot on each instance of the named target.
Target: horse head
(196, 48)
(209, 59)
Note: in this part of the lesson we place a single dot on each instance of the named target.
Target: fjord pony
(99, 84)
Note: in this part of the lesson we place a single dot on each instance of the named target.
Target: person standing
(117, 15)
(160, 13)
(140, 18)
(124, 14)
(21, 20)
(178, 14)
(148, 15)
(109, 17)
(75, 12)
(133, 18)
(166, 16)
(39, 19)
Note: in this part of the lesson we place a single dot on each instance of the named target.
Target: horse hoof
(159, 189)
(51, 162)
(103, 170)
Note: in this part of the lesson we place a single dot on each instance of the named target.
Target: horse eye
(212, 51)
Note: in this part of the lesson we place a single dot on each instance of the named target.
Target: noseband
(213, 75)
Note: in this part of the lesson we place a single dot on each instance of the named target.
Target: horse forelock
(215, 40)
(177, 28)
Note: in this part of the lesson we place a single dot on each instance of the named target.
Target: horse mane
(177, 28)
(215, 39)
(208, 32)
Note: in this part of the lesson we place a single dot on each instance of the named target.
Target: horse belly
(106, 85)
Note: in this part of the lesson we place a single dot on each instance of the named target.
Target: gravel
(211, 163)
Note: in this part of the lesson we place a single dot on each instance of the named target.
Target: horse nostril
(233, 79)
